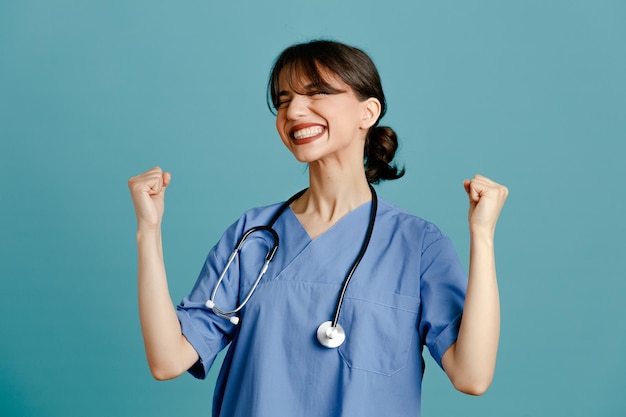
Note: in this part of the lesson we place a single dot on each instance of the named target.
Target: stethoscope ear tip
(209, 304)
(234, 320)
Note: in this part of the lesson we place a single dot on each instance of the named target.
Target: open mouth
(306, 133)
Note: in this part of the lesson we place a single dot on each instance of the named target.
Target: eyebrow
(313, 87)
(308, 87)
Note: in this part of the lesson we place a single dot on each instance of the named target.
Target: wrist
(147, 231)
(482, 235)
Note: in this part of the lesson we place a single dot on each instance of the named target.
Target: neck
(333, 192)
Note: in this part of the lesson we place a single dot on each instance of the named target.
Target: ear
(371, 112)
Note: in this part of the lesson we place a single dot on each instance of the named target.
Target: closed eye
(282, 103)
(283, 99)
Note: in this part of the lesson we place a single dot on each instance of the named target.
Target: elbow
(163, 373)
(475, 387)
(472, 380)
(170, 363)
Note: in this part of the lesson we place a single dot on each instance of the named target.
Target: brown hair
(355, 68)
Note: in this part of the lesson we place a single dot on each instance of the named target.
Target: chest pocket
(380, 332)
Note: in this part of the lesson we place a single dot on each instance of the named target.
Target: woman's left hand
(486, 199)
(470, 362)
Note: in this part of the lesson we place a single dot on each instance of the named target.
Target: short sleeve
(443, 287)
(207, 332)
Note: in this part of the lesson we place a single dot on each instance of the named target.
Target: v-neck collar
(337, 225)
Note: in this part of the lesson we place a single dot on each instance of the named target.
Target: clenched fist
(486, 199)
(148, 191)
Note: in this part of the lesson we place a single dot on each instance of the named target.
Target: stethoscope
(330, 334)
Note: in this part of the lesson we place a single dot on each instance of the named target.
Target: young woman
(356, 288)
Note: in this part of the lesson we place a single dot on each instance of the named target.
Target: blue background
(531, 93)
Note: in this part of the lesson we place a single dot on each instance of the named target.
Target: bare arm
(169, 354)
(470, 362)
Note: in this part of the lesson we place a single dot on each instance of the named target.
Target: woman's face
(317, 124)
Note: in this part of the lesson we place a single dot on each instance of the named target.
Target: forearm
(168, 352)
(471, 363)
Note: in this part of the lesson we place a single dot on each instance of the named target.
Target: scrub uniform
(407, 292)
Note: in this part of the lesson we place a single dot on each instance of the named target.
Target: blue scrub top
(407, 292)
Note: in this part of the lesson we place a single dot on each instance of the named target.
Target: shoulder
(403, 224)
(257, 216)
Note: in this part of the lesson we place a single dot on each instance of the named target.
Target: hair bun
(380, 149)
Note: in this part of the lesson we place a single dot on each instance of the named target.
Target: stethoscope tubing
(330, 333)
(231, 314)
(357, 261)
(268, 258)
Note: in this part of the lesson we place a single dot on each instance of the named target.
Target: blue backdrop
(531, 93)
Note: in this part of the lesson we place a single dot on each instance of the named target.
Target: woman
(406, 287)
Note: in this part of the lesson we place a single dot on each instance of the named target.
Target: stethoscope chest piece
(329, 336)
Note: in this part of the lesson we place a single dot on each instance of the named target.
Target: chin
(304, 158)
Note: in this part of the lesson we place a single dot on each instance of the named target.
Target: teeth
(308, 132)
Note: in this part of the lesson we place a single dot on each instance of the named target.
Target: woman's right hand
(169, 353)
(148, 191)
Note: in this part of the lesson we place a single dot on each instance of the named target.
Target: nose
(297, 106)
